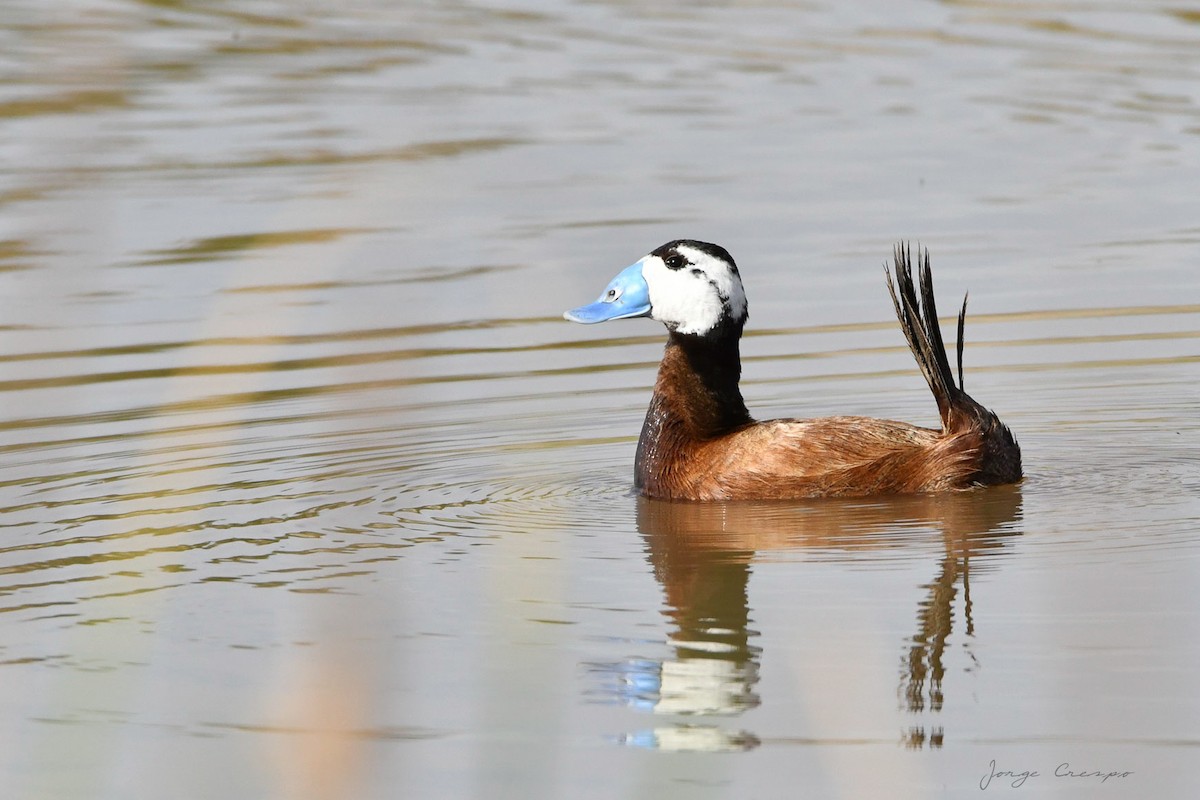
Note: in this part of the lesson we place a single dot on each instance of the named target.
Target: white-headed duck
(700, 443)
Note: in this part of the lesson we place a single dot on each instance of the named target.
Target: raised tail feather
(919, 322)
(999, 455)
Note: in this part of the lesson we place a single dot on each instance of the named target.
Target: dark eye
(675, 261)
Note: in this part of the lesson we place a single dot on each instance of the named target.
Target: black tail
(1000, 457)
(919, 321)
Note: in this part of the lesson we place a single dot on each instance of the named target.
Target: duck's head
(691, 287)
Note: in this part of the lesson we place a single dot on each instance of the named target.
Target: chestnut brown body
(699, 442)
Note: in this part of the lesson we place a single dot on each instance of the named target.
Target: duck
(699, 442)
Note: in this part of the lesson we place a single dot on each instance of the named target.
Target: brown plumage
(700, 443)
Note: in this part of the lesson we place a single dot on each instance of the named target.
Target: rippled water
(308, 491)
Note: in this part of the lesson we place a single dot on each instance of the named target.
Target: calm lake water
(307, 490)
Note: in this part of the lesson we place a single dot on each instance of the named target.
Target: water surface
(308, 491)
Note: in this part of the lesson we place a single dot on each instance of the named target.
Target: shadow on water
(702, 556)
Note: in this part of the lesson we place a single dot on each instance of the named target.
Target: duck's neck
(696, 398)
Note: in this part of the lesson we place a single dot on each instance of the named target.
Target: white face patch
(697, 296)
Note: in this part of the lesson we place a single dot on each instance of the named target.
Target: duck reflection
(702, 555)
